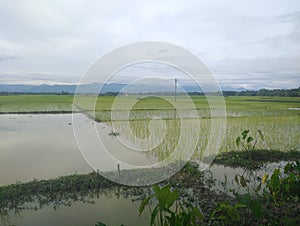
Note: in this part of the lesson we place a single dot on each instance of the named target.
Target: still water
(109, 210)
(38, 146)
(44, 147)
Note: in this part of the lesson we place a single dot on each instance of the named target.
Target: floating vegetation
(113, 134)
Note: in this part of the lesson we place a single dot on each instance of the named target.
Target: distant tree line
(4, 93)
(261, 92)
(266, 92)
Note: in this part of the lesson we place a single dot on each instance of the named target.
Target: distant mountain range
(94, 88)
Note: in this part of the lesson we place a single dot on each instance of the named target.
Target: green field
(35, 103)
(260, 105)
(277, 117)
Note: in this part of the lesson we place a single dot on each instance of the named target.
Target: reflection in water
(64, 192)
(84, 190)
(227, 179)
(38, 146)
(42, 146)
(77, 193)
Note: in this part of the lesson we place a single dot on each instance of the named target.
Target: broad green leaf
(156, 189)
(172, 198)
(244, 199)
(275, 180)
(197, 212)
(256, 208)
(245, 133)
(164, 194)
(249, 139)
(158, 194)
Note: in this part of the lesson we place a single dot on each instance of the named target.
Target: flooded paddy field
(42, 147)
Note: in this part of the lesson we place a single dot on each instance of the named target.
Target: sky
(250, 44)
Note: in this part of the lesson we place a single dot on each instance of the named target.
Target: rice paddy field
(277, 117)
(35, 103)
(39, 128)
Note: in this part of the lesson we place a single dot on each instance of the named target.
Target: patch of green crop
(35, 103)
(276, 117)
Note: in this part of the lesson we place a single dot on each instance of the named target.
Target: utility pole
(175, 89)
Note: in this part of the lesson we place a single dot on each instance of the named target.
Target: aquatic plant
(169, 209)
(248, 142)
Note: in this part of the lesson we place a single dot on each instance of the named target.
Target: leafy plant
(254, 205)
(285, 187)
(248, 142)
(227, 213)
(169, 209)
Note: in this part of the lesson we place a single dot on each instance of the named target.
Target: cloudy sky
(250, 44)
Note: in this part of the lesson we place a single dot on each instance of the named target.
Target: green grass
(35, 103)
(17, 103)
(259, 158)
(66, 190)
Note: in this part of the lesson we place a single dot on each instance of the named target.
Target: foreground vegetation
(276, 204)
(85, 188)
(172, 202)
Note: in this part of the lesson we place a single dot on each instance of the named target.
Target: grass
(189, 182)
(64, 191)
(36, 103)
(271, 115)
(259, 158)
(239, 105)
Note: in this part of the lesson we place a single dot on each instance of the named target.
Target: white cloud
(237, 39)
